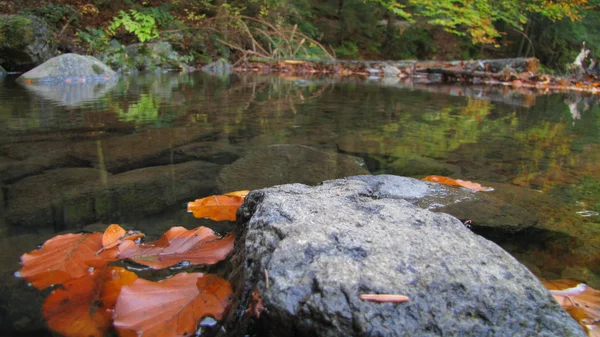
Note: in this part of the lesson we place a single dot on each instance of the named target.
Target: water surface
(136, 150)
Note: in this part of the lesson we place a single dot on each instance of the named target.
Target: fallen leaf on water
(457, 182)
(115, 234)
(197, 246)
(64, 258)
(217, 207)
(384, 298)
(581, 301)
(172, 307)
(84, 307)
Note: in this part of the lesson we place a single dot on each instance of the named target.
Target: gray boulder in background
(25, 42)
(322, 247)
(70, 69)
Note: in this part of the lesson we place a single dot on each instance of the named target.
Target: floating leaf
(64, 258)
(197, 246)
(115, 235)
(580, 301)
(172, 307)
(217, 207)
(457, 182)
(84, 307)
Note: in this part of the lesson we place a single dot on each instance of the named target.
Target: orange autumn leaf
(216, 207)
(457, 182)
(64, 258)
(581, 301)
(84, 307)
(243, 193)
(197, 246)
(171, 307)
(115, 235)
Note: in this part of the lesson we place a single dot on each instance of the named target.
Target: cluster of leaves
(580, 301)
(142, 25)
(478, 18)
(90, 296)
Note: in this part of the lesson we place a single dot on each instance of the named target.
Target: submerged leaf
(64, 258)
(171, 307)
(457, 182)
(218, 207)
(197, 246)
(580, 301)
(84, 307)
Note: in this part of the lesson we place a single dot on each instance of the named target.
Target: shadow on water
(136, 151)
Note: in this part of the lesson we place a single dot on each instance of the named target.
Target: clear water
(60, 147)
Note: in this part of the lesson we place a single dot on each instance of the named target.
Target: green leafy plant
(95, 40)
(142, 25)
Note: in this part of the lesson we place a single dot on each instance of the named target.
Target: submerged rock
(72, 197)
(284, 164)
(322, 247)
(117, 154)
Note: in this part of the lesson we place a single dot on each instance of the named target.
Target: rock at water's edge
(323, 246)
(71, 69)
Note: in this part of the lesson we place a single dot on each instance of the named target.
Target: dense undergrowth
(203, 30)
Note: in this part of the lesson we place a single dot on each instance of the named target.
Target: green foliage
(477, 18)
(142, 25)
(54, 13)
(95, 40)
(347, 50)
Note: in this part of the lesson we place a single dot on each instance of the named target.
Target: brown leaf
(197, 246)
(172, 307)
(457, 182)
(64, 258)
(580, 301)
(217, 207)
(84, 307)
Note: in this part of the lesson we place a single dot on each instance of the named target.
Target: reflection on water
(144, 145)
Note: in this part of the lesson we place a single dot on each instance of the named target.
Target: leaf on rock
(457, 182)
(64, 258)
(218, 207)
(580, 301)
(115, 235)
(243, 193)
(172, 307)
(197, 246)
(84, 307)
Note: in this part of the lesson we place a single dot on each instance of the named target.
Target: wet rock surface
(493, 215)
(323, 246)
(284, 164)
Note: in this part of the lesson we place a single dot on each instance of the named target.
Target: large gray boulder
(322, 247)
(287, 163)
(25, 42)
(69, 69)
